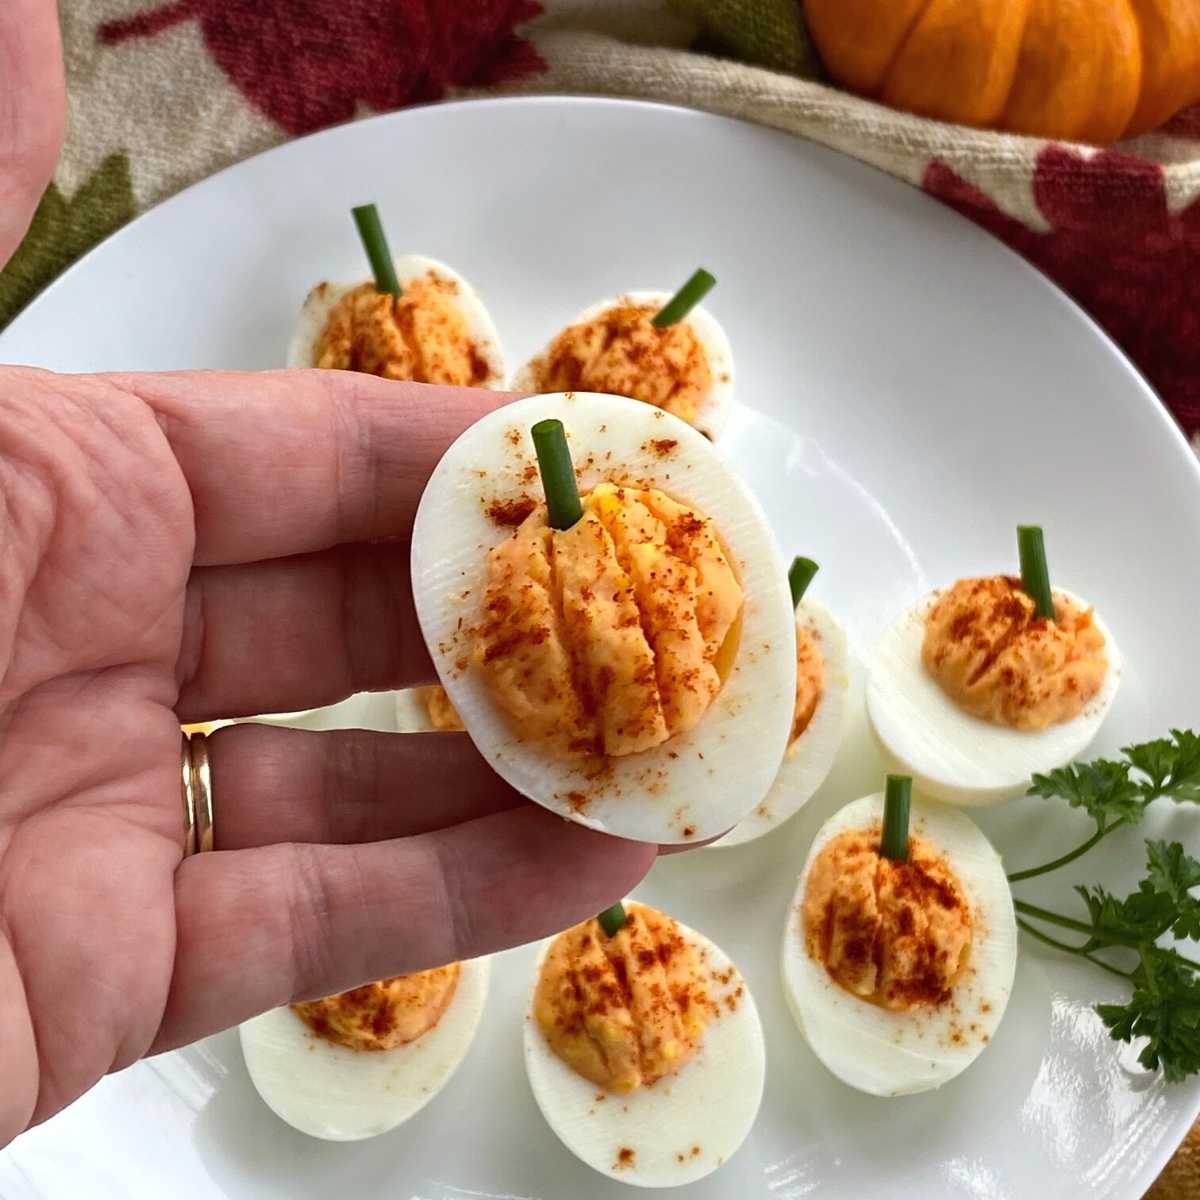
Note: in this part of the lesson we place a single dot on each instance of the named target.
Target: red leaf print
(311, 63)
(1117, 249)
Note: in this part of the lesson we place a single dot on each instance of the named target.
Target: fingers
(290, 785)
(32, 112)
(288, 462)
(299, 632)
(257, 928)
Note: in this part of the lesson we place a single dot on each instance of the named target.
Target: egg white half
(709, 1104)
(342, 1095)
(713, 411)
(697, 784)
(808, 762)
(952, 755)
(890, 1053)
(320, 301)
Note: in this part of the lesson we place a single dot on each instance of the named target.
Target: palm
(147, 574)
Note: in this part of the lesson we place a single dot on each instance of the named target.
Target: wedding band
(196, 782)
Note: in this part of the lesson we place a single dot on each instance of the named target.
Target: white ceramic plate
(908, 392)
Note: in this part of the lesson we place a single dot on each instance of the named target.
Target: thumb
(32, 112)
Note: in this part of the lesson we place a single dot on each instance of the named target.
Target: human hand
(32, 112)
(182, 547)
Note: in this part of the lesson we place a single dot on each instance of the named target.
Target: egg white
(952, 755)
(321, 300)
(697, 784)
(342, 1095)
(888, 1053)
(713, 411)
(711, 1102)
(806, 764)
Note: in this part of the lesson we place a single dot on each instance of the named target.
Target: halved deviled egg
(643, 1048)
(898, 973)
(355, 1065)
(822, 681)
(418, 319)
(633, 667)
(665, 350)
(973, 690)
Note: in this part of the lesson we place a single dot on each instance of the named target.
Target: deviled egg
(987, 682)
(355, 1065)
(822, 681)
(632, 666)
(643, 1048)
(665, 350)
(898, 971)
(418, 319)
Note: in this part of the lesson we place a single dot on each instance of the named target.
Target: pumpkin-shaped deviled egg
(357, 1064)
(426, 710)
(417, 319)
(990, 681)
(666, 350)
(900, 945)
(616, 631)
(644, 1048)
(818, 718)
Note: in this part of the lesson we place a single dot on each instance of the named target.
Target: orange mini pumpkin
(1089, 70)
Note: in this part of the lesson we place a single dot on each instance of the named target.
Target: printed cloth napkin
(164, 92)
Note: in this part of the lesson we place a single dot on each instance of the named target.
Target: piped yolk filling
(622, 352)
(422, 336)
(997, 659)
(443, 716)
(384, 1014)
(894, 934)
(627, 1010)
(810, 681)
(612, 636)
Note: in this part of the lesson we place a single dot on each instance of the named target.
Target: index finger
(288, 462)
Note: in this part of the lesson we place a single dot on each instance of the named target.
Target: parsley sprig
(1164, 1005)
(1109, 792)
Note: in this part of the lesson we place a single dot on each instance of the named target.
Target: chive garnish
(558, 473)
(611, 919)
(894, 843)
(370, 229)
(800, 575)
(1035, 576)
(684, 300)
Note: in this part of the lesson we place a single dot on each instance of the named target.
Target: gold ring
(196, 781)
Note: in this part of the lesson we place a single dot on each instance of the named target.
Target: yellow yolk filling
(422, 336)
(993, 656)
(443, 716)
(609, 637)
(627, 1010)
(622, 352)
(895, 934)
(810, 680)
(385, 1014)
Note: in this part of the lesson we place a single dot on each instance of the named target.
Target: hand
(182, 547)
(32, 112)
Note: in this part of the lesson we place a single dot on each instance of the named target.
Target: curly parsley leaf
(1103, 789)
(1165, 1009)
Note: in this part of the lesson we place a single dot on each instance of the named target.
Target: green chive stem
(370, 229)
(558, 473)
(894, 843)
(684, 300)
(800, 575)
(611, 919)
(1035, 576)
